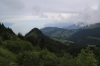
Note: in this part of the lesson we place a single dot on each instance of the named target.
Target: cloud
(50, 9)
(89, 14)
(20, 11)
(12, 4)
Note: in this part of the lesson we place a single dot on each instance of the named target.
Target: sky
(23, 15)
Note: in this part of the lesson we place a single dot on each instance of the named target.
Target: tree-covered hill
(87, 36)
(36, 37)
(91, 26)
(5, 33)
(32, 50)
(58, 32)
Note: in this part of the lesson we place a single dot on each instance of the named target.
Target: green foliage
(1, 41)
(96, 38)
(42, 58)
(18, 51)
(66, 60)
(28, 58)
(63, 41)
(5, 32)
(7, 58)
(87, 36)
(21, 36)
(48, 59)
(96, 51)
(86, 58)
(7, 54)
(18, 46)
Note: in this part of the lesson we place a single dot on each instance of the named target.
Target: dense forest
(36, 49)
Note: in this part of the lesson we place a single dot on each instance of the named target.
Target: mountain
(16, 51)
(58, 32)
(36, 37)
(87, 36)
(5, 33)
(11, 46)
(76, 26)
(7, 24)
(91, 26)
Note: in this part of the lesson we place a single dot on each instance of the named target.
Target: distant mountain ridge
(76, 26)
(89, 34)
(58, 32)
(91, 26)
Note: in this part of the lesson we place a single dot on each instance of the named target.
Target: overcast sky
(27, 14)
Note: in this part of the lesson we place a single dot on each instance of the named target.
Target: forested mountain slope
(58, 32)
(19, 50)
(36, 37)
(87, 36)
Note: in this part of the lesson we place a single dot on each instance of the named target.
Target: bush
(28, 58)
(18, 46)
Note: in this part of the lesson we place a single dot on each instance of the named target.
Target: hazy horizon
(23, 15)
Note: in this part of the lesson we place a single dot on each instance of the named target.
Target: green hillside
(63, 41)
(91, 26)
(87, 36)
(36, 49)
(36, 37)
(58, 32)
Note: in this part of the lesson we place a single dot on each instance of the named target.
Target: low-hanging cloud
(12, 4)
(89, 14)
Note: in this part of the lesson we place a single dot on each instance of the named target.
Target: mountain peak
(81, 24)
(34, 31)
(77, 25)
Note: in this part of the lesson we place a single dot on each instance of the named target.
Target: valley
(50, 46)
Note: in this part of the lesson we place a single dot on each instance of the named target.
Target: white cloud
(17, 11)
